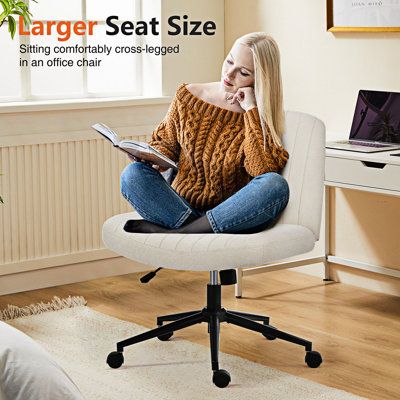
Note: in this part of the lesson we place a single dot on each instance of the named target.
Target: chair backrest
(304, 139)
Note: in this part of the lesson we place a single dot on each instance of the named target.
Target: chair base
(213, 314)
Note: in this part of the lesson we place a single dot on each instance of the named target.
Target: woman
(226, 137)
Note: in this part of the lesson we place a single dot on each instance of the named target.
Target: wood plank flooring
(356, 331)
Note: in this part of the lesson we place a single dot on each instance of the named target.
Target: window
(117, 75)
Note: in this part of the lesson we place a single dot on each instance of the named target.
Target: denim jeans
(253, 208)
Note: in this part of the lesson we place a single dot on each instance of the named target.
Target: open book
(140, 150)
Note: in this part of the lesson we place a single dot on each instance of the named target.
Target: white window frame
(25, 72)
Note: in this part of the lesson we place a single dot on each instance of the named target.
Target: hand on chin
(245, 97)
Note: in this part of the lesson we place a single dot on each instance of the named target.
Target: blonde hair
(267, 83)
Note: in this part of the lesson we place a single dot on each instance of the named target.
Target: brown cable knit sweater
(218, 150)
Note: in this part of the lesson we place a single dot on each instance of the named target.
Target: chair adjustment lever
(228, 277)
(148, 277)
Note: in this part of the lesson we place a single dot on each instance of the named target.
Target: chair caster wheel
(313, 359)
(115, 359)
(221, 378)
(269, 337)
(165, 337)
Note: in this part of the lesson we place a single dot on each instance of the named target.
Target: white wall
(322, 72)
(200, 56)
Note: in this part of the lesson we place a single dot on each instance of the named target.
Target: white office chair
(295, 233)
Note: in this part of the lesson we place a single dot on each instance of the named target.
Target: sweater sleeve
(258, 160)
(165, 136)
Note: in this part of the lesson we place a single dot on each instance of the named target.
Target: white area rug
(80, 339)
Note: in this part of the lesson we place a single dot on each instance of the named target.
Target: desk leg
(238, 285)
(327, 233)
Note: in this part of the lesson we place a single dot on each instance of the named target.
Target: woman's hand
(135, 159)
(245, 97)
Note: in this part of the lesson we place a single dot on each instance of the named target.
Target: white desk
(374, 172)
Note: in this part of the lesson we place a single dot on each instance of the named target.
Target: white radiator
(56, 198)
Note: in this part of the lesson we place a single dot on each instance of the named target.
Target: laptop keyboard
(367, 144)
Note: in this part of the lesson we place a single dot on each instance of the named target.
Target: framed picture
(363, 15)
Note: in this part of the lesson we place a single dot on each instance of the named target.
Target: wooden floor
(356, 331)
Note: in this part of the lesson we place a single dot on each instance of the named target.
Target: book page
(107, 132)
(134, 144)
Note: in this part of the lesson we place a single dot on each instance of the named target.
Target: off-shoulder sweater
(218, 151)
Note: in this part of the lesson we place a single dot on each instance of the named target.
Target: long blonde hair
(268, 83)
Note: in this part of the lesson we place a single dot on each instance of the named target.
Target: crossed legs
(253, 208)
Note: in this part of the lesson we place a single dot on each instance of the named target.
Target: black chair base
(213, 314)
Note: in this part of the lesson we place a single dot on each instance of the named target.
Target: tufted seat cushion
(206, 252)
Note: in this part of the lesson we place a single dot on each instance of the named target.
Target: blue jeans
(253, 208)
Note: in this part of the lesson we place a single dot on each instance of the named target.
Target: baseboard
(70, 273)
(84, 271)
(365, 279)
(356, 277)
(317, 269)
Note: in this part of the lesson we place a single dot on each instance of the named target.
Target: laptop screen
(377, 117)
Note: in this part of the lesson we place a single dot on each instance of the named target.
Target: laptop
(376, 123)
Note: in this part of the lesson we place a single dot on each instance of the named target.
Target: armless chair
(295, 233)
